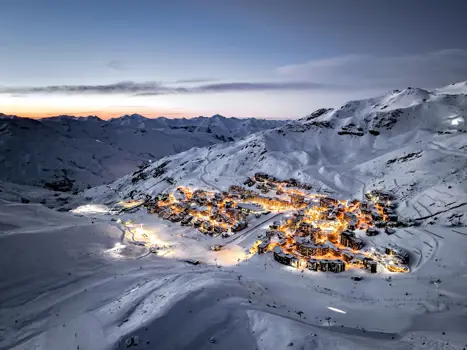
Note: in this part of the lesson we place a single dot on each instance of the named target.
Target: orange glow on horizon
(149, 113)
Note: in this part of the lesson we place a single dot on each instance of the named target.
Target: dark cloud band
(154, 89)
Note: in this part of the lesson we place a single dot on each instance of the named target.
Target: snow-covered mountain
(67, 152)
(85, 281)
(412, 142)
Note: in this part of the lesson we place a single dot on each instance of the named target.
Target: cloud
(155, 89)
(244, 87)
(125, 87)
(194, 81)
(116, 65)
(228, 87)
(366, 71)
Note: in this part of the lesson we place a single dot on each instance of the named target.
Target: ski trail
(425, 207)
(444, 150)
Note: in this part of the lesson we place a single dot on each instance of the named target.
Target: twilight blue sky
(266, 58)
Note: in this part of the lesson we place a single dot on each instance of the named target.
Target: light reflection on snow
(89, 209)
(336, 310)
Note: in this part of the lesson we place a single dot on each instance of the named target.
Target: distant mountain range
(72, 153)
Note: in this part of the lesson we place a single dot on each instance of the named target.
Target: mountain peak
(218, 116)
(134, 116)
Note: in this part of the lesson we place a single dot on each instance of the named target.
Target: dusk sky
(184, 58)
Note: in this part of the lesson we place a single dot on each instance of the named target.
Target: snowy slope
(84, 281)
(71, 282)
(78, 152)
(411, 142)
(454, 88)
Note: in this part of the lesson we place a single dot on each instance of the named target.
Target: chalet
(250, 208)
(296, 262)
(332, 249)
(236, 189)
(261, 177)
(313, 264)
(186, 220)
(206, 226)
(398, 253)
(239, 225)
(316, 233)
(235, 213)
(304, 229)
(275, 225)
(376, 216)
(365, 207)
(304, 246)
(292, 182)
(349, 216)
(345, 237)
(353, 224)
(271, 233)
(370, 265)
(154, 209)
(262, 247)
(219, 230)
(380, 224)
(326, 202)
(297, 200)
(371, 231)
(324, 265)
(359, 259)
(357, 244)
(249, 182)
(337, 266)
(318, 249)
(348, 256)
(282, 257)
(348, 239)
(165, 214)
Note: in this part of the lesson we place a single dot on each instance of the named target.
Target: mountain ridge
(365, 144)
(89, 151)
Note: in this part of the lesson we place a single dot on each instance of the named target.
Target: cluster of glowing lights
(92, 209)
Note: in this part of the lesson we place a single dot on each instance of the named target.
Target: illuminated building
(186, 220)
(320, 228)
(250, 208)
(263, 247)
(348, 239)
(398, 253)
(336, 266)
(324, 265)
(370, 265)
(281, 257)
(347, 256)
(371, 231)
(239, 225)
(313, 264)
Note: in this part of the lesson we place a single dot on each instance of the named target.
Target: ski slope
(84, 280)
